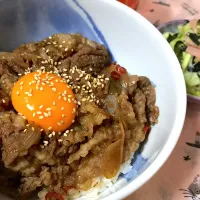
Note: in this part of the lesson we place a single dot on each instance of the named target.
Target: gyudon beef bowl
(87, 111)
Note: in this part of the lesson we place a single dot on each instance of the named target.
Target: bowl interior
(133, 42)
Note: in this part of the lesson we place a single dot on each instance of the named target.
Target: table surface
(182, 169)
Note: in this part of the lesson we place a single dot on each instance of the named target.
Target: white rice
(101, 186)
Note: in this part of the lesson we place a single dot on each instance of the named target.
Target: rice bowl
(130, 51)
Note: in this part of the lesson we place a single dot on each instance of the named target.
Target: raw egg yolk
(46, 100)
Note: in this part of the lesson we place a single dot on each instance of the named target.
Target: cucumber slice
(186, 60)
(191, 78)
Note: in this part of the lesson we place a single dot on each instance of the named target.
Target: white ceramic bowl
(133, 42)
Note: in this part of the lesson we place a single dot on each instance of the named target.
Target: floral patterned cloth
(179, 178)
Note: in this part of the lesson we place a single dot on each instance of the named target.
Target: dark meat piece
(14, 63)
(11, 122)
(94, 116)
(150, 94)
(18, 143)
(46, 155)
(139, 105)
(9, 182)
(99, 136)
(54, 177)
(133, 138)
(124, 111)
(7, 79)
(87, 55)
(69, 49)
(5, 101)
(29, 184)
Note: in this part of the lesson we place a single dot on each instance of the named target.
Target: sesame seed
(65, 134)
(65, 99)
(59, 63)
(50, 135)
(59, 124)
(54, 103)
(48, 109)
(47, 50)
(66, 49)
(73, 121)
(34, 114)
(62, 108)
(33, 129)
(50, 37)
(41, 117)
(41, 130)
(53, 133)
(45, 143)
(23, 117)
(50, 128)
(89, 84)
(54, 89)
(42, 147)
(59, 98)
(73, 111)
(41, 88)
(3, 100)
(21, 83)
(49, 113)
(60, 140)
(21, 87)
(39, 112)
(107, 79)
(63, 42)
(40, 107)
(67, 131)
(46, 114)
(84, 99)
(63, 115)
(25, 130)
(60, 46)
(30, 95)
(71, 130)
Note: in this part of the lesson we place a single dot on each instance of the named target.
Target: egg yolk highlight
(45, 99)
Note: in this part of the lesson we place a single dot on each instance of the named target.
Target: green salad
(186, 45)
